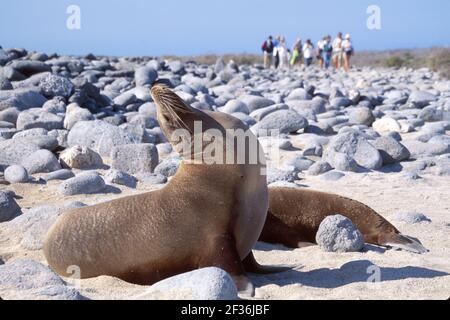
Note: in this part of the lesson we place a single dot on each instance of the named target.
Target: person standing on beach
(320, 45)
(283, 53)
(276, 55)
(296, 56)
(327, 51)
(308, 52)
(347, 48)
(267, 48)
(337, 51)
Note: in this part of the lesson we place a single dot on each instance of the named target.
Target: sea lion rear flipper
(223, 254)
(251, 265)
(402, 242)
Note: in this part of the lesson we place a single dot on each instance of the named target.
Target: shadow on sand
(351, 272)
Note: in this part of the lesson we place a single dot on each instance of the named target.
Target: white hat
(347, 36)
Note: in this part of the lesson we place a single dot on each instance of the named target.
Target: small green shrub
(440, 62)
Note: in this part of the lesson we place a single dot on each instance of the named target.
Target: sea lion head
(205, 137)
(192, 133)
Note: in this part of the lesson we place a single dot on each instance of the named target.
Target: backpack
(267, 48)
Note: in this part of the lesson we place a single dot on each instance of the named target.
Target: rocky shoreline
(76, 131)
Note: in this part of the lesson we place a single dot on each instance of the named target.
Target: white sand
(316, 274)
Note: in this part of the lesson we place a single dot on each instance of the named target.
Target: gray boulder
(5, 84)
(299, 163)
(177, 67)
(121, 178)
(34, 224)
(75, 114)
(419, 149)
(37, 118)
(203, 284)
(255, 102)
(168, 167)
(431, 114)
(9, 209)
(362, 115)
(54, 85)
(30, 280)
(55, 105)
(151, 178)
(286, 121)
(338, 234)
(318, 168)
(350, 146)
(86, 183)
(99, 136)
(13, 151)
(21, 99)
(41, 161)
(35, 132)
(47, 142)
(259, 114)
(134, 158)
(233, 106)
(9, 115)
(332, 175)
(391, 150)
(145, 75)
(421, 99)
(28, 68)
(299, 94)
(16, 174)
(62, 174)
(125, 99)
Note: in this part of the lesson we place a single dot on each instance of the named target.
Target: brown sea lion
(295, 215)
(207, 215)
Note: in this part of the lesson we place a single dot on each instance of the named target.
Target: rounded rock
(86, 183)
(16, 174)
(338, 234)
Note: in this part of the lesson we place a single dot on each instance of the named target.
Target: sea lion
(295, 215)
(206, 215)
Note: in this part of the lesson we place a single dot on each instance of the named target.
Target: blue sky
(186, 27)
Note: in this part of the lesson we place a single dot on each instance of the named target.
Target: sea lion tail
(399, 241)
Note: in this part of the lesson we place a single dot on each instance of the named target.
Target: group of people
(337, 52)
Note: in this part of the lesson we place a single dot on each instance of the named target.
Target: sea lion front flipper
(251, 265)
(223, 254)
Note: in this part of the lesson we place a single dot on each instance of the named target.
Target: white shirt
(320, 44)
(346, 44)
(308, 51)
(337, 43)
